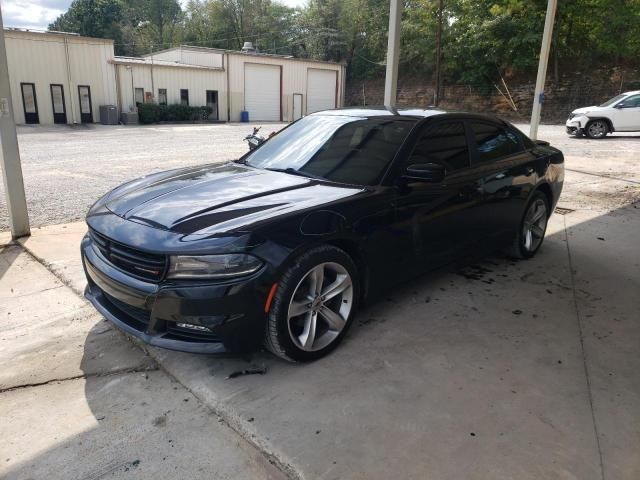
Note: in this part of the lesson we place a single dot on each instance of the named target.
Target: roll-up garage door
(262, 91)
(321, 89)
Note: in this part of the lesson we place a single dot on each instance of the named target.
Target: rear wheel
(596, 129)
(313, 306)
(532, 228)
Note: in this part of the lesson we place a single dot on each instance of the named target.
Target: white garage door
(262, 92)
(321, 89)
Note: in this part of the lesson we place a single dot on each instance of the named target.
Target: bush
(153, 113)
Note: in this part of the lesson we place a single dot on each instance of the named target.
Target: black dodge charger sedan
(281, 246)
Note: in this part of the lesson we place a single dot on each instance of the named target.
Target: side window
(632, 102)
(360, 151)
(444, 143)
(494, 142)
(526, 141)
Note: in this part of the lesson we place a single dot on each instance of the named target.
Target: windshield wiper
(293, 171)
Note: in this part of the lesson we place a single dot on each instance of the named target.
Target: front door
(29, 103)
(212, 101)
(57, 104)
(627, 116)
(86, 113)
(297, 106)
(438, 219)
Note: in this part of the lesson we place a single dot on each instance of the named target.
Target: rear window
(444, 143)
(494, 142)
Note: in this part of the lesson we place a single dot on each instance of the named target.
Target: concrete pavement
(495, 370)
(80, 401)
(490, 370)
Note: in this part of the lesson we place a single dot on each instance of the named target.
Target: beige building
(65, 78)
(59, 78)
(268, 87)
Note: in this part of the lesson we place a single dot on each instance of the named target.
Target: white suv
(620, 114)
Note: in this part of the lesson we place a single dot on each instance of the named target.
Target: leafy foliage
(154, 113)
(481, 39)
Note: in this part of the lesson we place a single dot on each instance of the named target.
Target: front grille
(135, 317)
(148, 266)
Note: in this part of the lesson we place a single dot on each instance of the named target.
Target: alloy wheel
(597, 129)
(534, 225)
(320, 306)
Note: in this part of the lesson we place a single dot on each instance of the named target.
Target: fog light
(193, 327)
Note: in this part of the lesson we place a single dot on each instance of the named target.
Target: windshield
(612, 101)
(342, 149)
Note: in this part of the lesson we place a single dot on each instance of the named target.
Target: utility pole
(436, 90)
(542, 67)
(10, 160)
(393, 53)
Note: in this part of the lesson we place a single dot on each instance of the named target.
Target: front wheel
(533, 227)
(596, 129)
(313, 306)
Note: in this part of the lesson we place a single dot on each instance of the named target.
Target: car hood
(218, 198)
(584, 110)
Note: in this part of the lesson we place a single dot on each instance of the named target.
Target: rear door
(435, 220)
(507, 172)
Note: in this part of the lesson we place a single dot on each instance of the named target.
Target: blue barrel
(244, 117)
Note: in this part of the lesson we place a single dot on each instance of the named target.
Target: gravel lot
(67, 168)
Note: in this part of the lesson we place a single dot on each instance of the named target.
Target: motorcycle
(254, 140)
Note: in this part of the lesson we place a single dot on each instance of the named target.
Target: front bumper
(575, 125)
(194, 317)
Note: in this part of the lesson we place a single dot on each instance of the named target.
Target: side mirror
(425, 172)
(619, 105)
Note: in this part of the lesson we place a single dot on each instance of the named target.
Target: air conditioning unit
(108, 114)
(129, 118)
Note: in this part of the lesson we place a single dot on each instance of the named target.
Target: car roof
(382, 111)
(632, 92)
(417, 113)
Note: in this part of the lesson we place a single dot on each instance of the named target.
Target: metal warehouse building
(65, 78)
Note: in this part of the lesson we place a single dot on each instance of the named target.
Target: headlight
(212, 266)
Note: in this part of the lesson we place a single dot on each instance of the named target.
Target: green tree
(92, 18)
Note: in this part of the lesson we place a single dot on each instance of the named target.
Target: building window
(162, 96)
(139, 96)
(184, 96)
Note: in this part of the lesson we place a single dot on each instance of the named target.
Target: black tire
(518, 248)
(278, 338)
(596, 129)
